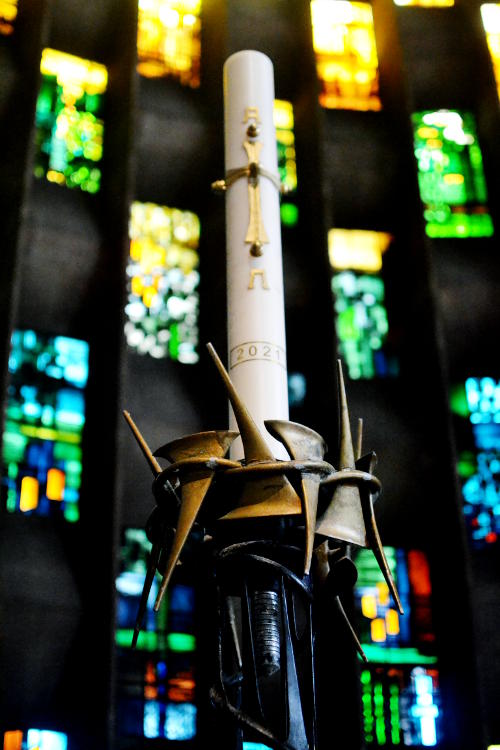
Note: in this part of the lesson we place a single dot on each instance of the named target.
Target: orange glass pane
(418, 571)
(56, 480)
(13, 740)
(29, 494)
(181, 688)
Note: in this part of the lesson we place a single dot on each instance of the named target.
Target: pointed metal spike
(194, 486)
(254, 445)
(359, 441)
(303, 444)
(346, 458)
(148, 582)
(296, 729)
(343, 614)
(193, 494)
(343, 518)
(377, 548)
(153, 463)
(368, 463)
(310, 492)
(234, 630)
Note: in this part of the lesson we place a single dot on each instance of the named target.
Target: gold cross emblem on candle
(256, 235)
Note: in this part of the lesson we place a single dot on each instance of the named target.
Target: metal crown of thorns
(264, 487)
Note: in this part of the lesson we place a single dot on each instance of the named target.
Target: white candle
(256, 314)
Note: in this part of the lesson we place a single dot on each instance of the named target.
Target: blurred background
(112, 278)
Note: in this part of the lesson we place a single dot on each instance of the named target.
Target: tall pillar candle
(256, 315)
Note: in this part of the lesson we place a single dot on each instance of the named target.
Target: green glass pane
(392, 655)
(451, 178)
(289, 214)
(181, 642)
(69, 137)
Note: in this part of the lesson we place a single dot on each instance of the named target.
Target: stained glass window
(156, 681)
(401, 706)
(400, 688)
(287, 166)
(346, 54)
(490, 13)
(168, 40)
(8, 14)
(477, 409)
(162, 272)
(42, 441)
(450, 174)
(359, 291)
(35, 739)
(69, 128)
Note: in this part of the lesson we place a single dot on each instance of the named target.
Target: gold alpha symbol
(263, 278)
(251, 113)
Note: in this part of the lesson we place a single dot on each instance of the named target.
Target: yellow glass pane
(168, 39)
(346, 54)
(8, 14)
(392, 622)
(283, 114)
(285, 140)
(357, 249)
(378, 631)
(383, 593)
(426, 3)
(369, 606)
(29, 494)
(490, 14)
(56, 480)
(76, 75)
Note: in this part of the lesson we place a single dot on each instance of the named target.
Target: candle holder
(275, 537)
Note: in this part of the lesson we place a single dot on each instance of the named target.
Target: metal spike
(359, 441)
(343, 614)
(343, 518)
(194, 486)
(153, 463)
(234, 629)
(254, 445)
(272, 495)
(346, 458)
(367, 463)
(302, 443)
(148, 582)
(296, 727)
